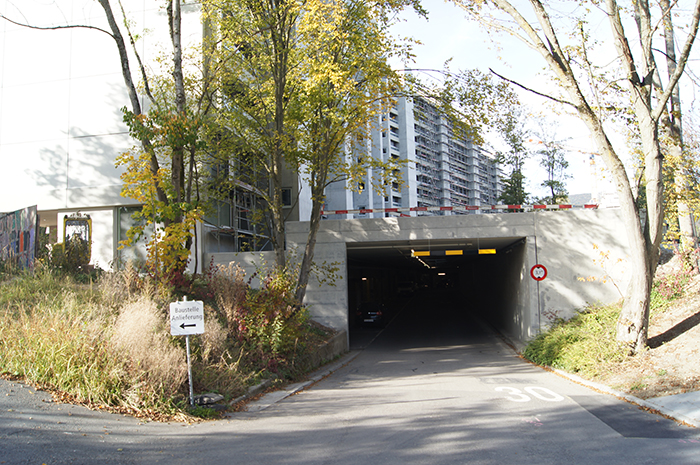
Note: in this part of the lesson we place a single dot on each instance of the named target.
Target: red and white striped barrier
(458, 208)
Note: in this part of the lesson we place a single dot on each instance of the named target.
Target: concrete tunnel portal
(473, 273)
(374, 262)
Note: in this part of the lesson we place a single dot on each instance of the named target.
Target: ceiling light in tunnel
(487, 251)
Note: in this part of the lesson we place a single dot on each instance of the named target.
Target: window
(287, 196)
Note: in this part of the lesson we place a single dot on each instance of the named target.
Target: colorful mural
(18, 231)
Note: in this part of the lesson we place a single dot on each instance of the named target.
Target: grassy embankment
(106, 343)
(585, 344)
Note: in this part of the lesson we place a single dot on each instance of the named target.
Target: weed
(638, 386)
(205, 413)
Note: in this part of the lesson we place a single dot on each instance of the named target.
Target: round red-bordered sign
(538, 272)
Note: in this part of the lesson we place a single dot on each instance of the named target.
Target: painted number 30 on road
(542, 393)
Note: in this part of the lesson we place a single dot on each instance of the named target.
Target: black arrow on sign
(183, 325)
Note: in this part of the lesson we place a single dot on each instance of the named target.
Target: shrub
(107, 342)
(580, 344)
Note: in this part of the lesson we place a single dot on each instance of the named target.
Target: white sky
(448, 34)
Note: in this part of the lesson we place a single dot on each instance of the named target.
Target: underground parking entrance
(438, 280)
(374, 261)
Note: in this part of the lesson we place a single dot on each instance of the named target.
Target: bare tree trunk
(632, 327)
(281, 35)
(276, 211)
(178, 151)
(131, 90)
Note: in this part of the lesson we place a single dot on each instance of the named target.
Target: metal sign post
(187, 318)
(189, 370)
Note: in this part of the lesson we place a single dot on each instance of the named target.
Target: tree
(672, 127)
(552, 159)
(257, 55)
(514, 135)
(566, 65)
(682, 196)
(347, 85)
(301, 80)
(169, 131)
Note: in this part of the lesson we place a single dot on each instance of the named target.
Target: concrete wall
(568, 243)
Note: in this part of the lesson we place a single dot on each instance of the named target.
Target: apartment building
(440, 167)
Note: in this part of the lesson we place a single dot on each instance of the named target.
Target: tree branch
(682, 59)
(563, 102)
(53, 28)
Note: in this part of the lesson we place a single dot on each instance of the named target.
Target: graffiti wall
(18, 236)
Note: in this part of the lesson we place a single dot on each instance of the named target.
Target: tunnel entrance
(373, 260)
(480, 276)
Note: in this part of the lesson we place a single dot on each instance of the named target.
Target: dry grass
(108, 344)
(231, 288)
(157, 367)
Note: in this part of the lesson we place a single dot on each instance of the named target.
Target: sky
(447, 34)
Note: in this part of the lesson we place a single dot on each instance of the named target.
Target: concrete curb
(679, 417)
(276, 396)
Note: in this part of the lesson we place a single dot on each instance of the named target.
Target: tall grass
(107, 343)
(57, 337)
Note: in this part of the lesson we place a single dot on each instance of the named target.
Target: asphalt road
(432, 388)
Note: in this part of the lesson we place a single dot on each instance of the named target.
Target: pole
(189, 369)
(189, 363)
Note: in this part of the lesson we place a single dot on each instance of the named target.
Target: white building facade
(439, 168)
(62, 129)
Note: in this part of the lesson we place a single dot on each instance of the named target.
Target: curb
(273, 397)
(679, 417)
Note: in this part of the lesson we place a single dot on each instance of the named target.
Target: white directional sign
(186, 318)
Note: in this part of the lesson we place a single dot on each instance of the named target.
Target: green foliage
(514, 190)
(173, 222)
(270, 327)
(71, 256)
(668, 288)
(581, 344)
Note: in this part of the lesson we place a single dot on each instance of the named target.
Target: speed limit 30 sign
(538, 272)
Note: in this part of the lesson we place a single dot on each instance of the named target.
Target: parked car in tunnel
(371, 314)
